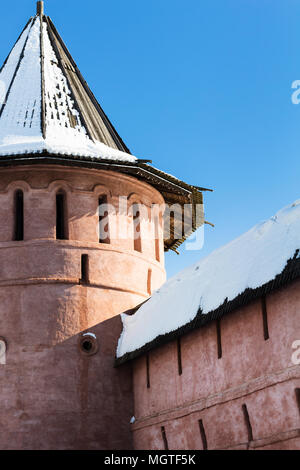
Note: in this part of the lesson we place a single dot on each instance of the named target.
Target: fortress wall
(245, 399)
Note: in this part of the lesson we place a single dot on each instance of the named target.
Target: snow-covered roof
(46, 105)
(257, 262)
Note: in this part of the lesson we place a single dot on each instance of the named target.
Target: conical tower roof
(46, 105)
(48, 115)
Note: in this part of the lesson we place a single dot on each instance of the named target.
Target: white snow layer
(9, 68)
(20, 123)
(20, 120)
(250, 261)
(90, 334)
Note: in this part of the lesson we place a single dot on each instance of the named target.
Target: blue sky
(202, 87)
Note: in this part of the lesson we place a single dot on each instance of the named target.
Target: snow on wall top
(21, 103)
(250, 261)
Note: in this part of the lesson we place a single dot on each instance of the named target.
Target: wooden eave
(172, 189)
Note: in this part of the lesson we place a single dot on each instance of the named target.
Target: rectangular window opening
(84, 269)
(172, 226)
(164, 437)
(219, 339)
(61, 233)
(203, 434)
(104, 235)
(137, 232)
(157, 244)
(265, 317)
(179, 356)
(149, 282)
(248, 423)
(297, 391)
(148, 370)
(19, 216)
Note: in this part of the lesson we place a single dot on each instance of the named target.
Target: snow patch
(90, 334)
(9, 68)
(250, 261)
(21, 116)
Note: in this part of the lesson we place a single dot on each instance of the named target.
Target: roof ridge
(42, 57)
(59, 58)
(116, 137)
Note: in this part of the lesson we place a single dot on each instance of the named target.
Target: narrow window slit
(164, 437)
(19, 216)
(84, 269)
(265, 317)
(248, 423)
(203, 434)
(61, 232)
(179, 356)
(103, 221)
(172, 226)
(137, 232)
(219, 339)
(157, 252)
(149, 282)
(297, 391)
(148, 370)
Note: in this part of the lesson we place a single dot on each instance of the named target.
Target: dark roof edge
(91, 162)
(290, 273)
(162, 182)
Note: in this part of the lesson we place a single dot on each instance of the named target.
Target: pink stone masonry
(54, 396)
(245, 400)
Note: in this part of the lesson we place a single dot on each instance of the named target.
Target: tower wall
(54, 394)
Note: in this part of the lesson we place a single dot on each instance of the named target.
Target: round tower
(64, 274)
(79, 245)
